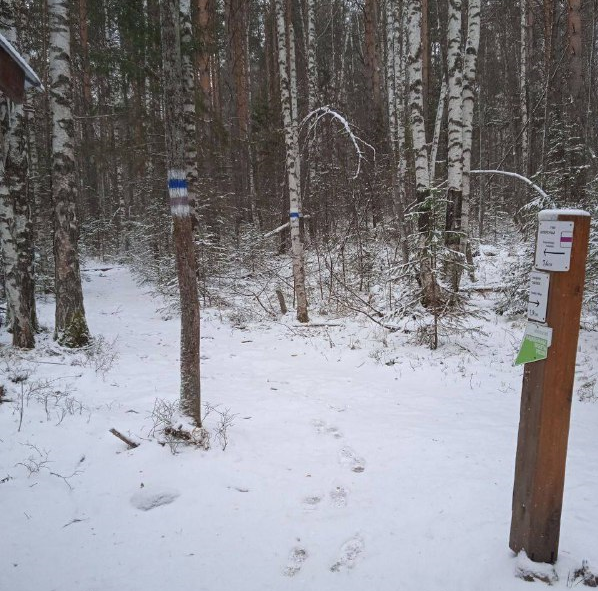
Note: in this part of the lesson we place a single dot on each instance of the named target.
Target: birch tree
(469, 78)
(291, 136)
(455, 123)
(16, 228)
(179, 206)
(430, 288)
(395, 64)
(71, 325)
(191, 164)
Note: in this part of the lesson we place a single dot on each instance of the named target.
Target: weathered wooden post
(548, 350)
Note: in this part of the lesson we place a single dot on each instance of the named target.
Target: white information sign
(538, 295)
(553, 247)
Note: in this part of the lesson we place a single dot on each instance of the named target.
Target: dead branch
(131, 444)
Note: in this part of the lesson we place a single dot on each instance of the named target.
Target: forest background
(367, 117)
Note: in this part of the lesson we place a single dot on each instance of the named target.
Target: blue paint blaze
(294, 214)
(177, 184)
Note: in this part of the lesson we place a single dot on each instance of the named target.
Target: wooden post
(546, 398)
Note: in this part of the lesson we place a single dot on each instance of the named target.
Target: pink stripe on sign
(566, 238)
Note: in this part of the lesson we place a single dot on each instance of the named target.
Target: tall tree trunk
(376, 111)
(71, 325)
(179, 205)
(523, 86)
(292, 156)
(292, 69)
(469, 77)
(430, 289)
(87, 158)
(396, 115)
(312, 101)
(237, 18)
(426, 58)
(189, 115)
(437, 128)
(455, 123)
(204, 13)
(16, 226)
(578, 153)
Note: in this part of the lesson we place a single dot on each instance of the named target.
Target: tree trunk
(437, 128)
(189, 115)
(429, 285)
(578, 153)
(312, 103)
(523, 85)
(455, 125)
(237, 18)
(469, 77)
(396, 116)
(71, 325)
(179, 204)
(16, 227)
(292, 157)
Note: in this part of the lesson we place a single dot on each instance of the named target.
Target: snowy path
(341, 472)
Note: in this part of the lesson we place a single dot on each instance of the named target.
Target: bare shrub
(586, 392)
(100, 355)
(168, 425)
(225, 420)
(39, 460)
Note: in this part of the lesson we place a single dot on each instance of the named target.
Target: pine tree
(179, 205)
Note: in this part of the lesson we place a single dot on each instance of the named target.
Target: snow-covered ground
(357, 460)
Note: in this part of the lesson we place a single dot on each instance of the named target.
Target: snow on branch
(516, 176)
(317, 114)
(281, 228)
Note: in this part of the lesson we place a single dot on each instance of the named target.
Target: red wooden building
(15, 74)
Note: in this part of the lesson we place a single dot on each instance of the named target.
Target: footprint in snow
(312, 501)
(338, 496)
(351, 550)
(297, 557)
(146, 500)
(322, 427)
(347, 457)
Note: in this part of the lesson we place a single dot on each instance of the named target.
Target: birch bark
(292, 65)
(430, 289)
(189, 114)
(292, 156)
(396, 105)
(179, 204)
(16, 225)
(470, 68)
(455, 123)
(71, 325)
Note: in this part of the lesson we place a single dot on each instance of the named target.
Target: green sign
(534, 347)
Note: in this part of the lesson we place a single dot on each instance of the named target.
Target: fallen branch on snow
(129, 442)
